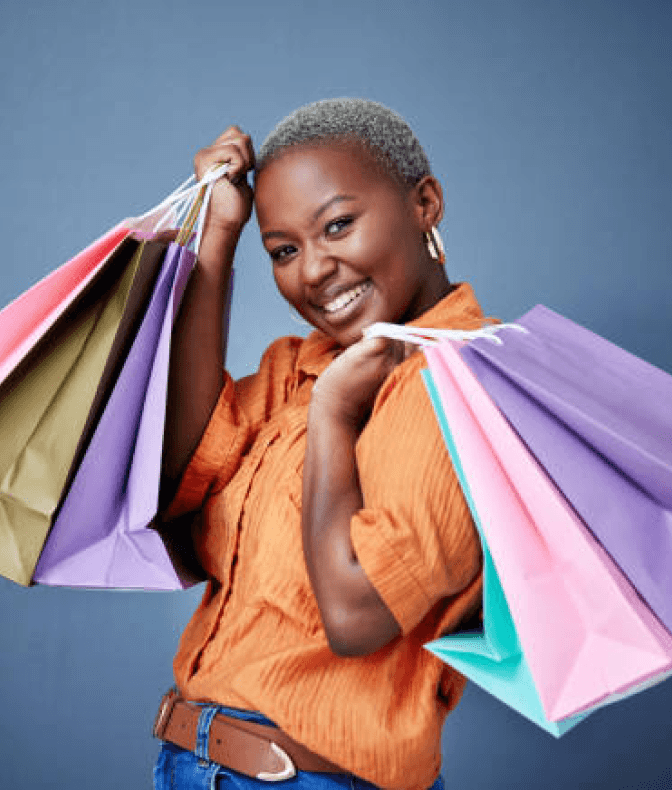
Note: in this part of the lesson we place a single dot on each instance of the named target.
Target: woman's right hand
(231, 202)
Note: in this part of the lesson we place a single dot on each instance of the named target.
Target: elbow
(343, 646)
(352, 635)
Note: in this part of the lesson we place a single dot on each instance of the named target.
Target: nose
(318, 265)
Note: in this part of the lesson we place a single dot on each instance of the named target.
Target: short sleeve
(415, 537)
(241, 409)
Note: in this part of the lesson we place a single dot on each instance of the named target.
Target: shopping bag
(25, 320)
(491, 657)
(152, 254)
(102, 537)
(56, 387)
(599, 420)
(585, 633)
(44, 405)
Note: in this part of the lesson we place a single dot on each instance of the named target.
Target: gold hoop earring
(435, 245)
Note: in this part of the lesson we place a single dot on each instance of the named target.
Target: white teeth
(345, 298)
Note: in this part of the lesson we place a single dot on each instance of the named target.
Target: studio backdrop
(548, 125)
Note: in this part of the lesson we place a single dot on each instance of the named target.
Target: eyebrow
(316, 215)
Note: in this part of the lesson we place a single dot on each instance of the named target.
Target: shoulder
(289, 345)
(316, 348)
(280, 357)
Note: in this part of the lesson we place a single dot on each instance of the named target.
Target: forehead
(301, 178)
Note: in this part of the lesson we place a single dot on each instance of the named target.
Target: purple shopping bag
(600, 422)
(101, 536)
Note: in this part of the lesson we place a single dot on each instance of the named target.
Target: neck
(437, 286)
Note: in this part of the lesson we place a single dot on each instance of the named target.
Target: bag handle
(188, 203)
(422, 336)
(199, 207)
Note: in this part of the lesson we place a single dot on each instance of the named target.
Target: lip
(330, 294)
(345, 312)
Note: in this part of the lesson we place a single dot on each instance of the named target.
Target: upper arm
(241, 409)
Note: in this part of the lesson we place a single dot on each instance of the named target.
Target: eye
(280, 254)
(334, 227)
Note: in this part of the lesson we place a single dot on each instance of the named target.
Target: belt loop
(203, 733)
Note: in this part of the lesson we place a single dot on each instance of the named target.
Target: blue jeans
(179, 769)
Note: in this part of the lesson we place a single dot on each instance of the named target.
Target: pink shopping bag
(587, 636)
(25, 320)
(28, 317)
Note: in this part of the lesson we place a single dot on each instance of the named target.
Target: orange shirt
(256, 640)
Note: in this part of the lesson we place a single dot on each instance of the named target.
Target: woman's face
(346, 241)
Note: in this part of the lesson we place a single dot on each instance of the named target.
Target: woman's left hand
(347, 389)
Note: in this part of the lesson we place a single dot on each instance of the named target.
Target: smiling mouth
(346, 299)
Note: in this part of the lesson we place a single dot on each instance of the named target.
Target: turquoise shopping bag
(492, 658)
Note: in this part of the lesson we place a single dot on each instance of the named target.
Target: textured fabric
(256, 641)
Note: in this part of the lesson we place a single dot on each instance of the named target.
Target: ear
(427, 198)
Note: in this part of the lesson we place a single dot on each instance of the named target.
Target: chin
(344, 337)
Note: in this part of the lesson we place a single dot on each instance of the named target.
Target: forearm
(197, 351)
(355, 618)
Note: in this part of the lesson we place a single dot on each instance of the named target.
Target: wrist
(218, 246)
(221, 233)
(327, 411)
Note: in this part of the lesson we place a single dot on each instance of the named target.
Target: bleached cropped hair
(382, 131)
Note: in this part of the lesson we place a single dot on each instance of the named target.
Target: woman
(331, 524)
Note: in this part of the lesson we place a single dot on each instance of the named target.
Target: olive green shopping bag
(46, 414)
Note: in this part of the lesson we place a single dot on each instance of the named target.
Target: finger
(230, 132)
(393, 349)
(241, 161)
(234, 134)
(398, 350)
(377, 355)
(410, 348)
(248, 148)
(372, 346)
(231, 153)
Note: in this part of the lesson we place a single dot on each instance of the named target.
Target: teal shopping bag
(492, 657)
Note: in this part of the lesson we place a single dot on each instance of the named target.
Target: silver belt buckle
(287, 772)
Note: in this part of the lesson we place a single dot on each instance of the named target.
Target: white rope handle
(430, 337)
(174, 208)
(214, 174)
(198, 205)
(169, 205)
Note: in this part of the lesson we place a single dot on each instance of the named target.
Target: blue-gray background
(548, 122)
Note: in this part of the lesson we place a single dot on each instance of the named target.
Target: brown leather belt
(256, 750)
